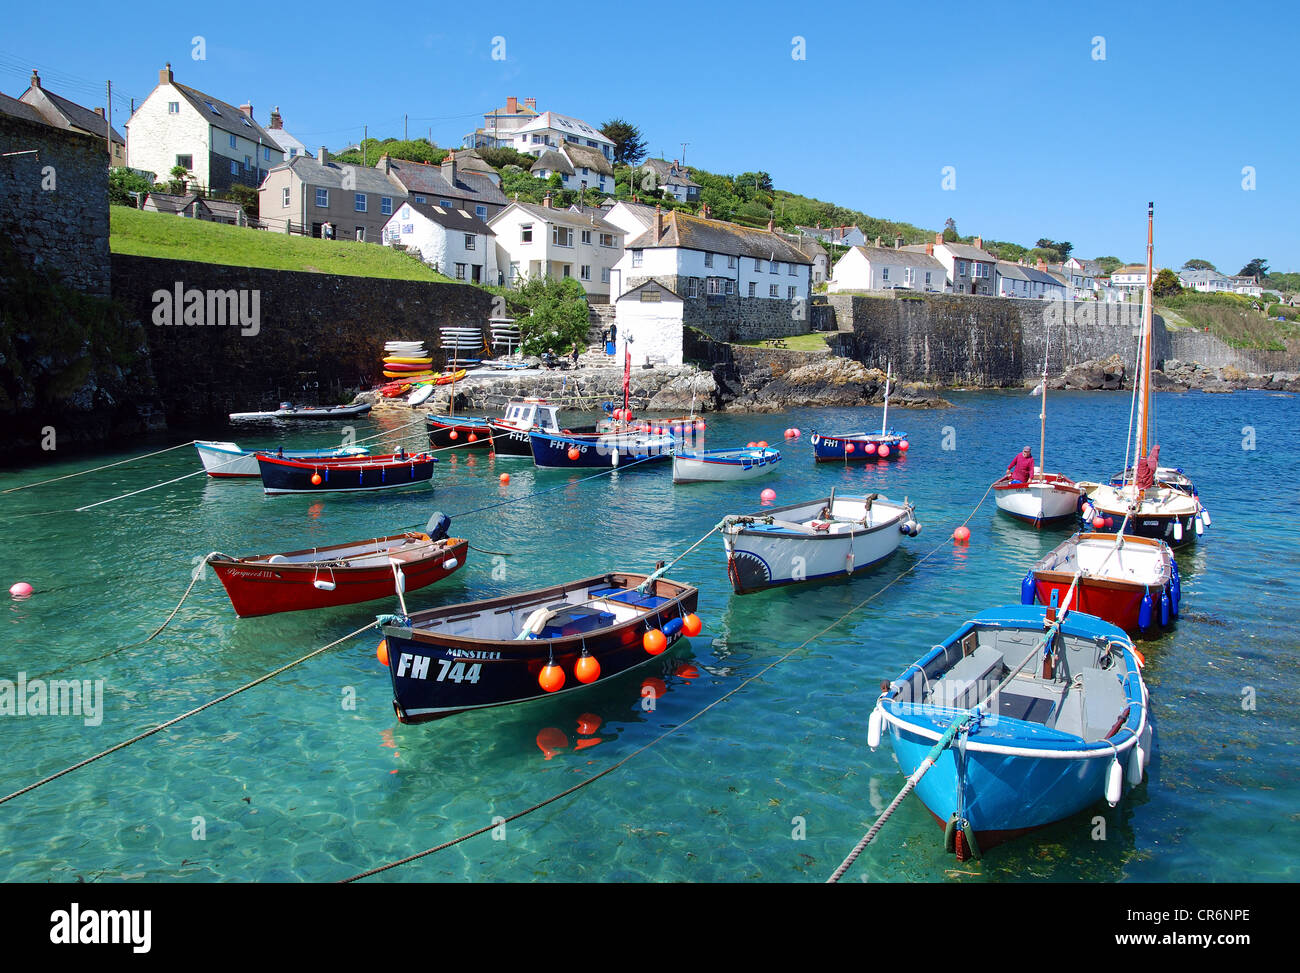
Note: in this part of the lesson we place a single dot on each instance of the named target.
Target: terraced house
(68, 115)
(462, 181)
(217, 144)
(542, 241)
(970, 269)
(313, 196)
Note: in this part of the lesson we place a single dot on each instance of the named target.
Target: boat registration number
(448, 671)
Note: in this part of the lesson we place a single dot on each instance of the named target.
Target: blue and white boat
(598, 451)
(228, 460)
(714, 465)
(1044, 716)
(862, 446)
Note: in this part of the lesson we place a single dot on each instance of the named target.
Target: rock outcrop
(833, 381)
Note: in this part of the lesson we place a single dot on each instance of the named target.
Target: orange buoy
(848, 448)
(762, 444)
(454, 435)
(1141, 661)
(551, 678)
(381, 652)
(315, 479)
(961, 535)
(473, 438)
(574, 453)
(654, 641)
(505, 479)
(692, 626)
(587, 669)
(628, 636)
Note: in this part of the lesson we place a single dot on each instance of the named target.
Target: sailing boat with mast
(1045, 497)
(888, 444)
(1143, 503)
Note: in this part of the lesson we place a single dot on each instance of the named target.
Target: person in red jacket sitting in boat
(1022, 467)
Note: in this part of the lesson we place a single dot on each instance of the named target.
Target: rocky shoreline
(1172, 376)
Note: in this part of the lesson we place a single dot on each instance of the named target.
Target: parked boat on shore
(227, 460)
(339, 574)
(1019, 748)
(818, 539)
(532, 645)
(346, 474)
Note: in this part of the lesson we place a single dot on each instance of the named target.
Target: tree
(629, 147)
(1006, 251)
(1062, 247)
(179, 177)
(122, 182)
(245, 196)
(1166, 284)
(1197, 264)
(1047, 255)
(950, 231)
(1109, 265)
(1256, 268)
(559, 317)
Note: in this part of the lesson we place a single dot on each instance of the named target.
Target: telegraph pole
(108, 124)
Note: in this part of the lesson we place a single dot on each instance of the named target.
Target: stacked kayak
(407, 360)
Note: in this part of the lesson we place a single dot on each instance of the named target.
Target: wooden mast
(884, 420)
(1144, 375)
(1042, 413)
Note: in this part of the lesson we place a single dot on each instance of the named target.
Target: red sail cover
(627, 374)
(1146, 470)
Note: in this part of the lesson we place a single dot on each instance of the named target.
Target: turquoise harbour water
(285, 782)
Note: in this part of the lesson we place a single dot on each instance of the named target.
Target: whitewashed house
(840, 236)
(1250, 286)
(1130, 280)
(500, 124)
(459, 182)
(1079, 276)
(451, 241)
(970, 268)
(551, 130)
(580, 167)
(887, 268)
(649, 320)
(632, 218)
(217, 144)
(671, 177)
(1030, 283)
(1205, 281)
(542, 241)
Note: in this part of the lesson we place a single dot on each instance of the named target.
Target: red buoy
(574, 453)
(848, 448)
(315, 479)
(587, 669)
(691, 625)
(505, 479)
(884, 451)
(454, 435)
(961, 535)
(654, 641)
(381, 653)
(551, 678)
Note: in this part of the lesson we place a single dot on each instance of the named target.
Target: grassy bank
(137, 233)
(814, 341)
(1230, 318)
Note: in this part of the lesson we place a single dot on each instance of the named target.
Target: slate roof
(715, 236)
(167, 203)
(224, 207)
(227, 117)
(1013, 271)
(640, 211)
(566, 217)
(562, 123)
(366, 180)
(891, 255)
(669, 173)
(421, 179)
(452, 219)
(20, 109)
(75, 115)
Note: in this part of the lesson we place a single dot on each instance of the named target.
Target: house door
(476, 274)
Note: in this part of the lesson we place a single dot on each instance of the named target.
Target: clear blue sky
(1046, 140)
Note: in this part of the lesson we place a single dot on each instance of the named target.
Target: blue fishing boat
(1035, 717)
(598, 451)
(348, 474)
(862, 446)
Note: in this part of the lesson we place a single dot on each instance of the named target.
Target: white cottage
(970, 268)
(887, 268)
(451, 241)
(650, 318)
(541, 241)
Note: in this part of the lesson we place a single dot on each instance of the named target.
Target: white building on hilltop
(551, 129)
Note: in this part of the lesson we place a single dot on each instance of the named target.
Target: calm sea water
(309, 777)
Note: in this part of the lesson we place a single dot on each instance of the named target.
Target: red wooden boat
(341, 574)
(1129, 581)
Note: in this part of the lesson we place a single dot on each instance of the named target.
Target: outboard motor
(439, 524)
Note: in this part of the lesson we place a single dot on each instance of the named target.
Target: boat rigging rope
(686, 722)
(67, 476)
(945, 741)
(198, 709)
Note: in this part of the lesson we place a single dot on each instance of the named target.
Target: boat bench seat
(970, 680)
(633, 597)
(576, 621)
(1102, 699)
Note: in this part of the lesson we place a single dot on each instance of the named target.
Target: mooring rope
(68, 476)
(670, 731)
(184, 716)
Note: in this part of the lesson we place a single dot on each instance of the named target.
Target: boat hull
(374, 473)
(1045, 499)
(762, 556)
(865, 447)
(266, 589)
(1117, 595)
(317, 415)
(435, 675)
(441, 428)
(228, 461)
(724, 465)
(598, 452)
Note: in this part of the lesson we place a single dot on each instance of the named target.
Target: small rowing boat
(723, 465)
(227, 460)
(811, 541)
(1127, 580)
(346, 474)
(288, 411)
(532, 645)
(862, 446)
(1019, 719)
(340, 574)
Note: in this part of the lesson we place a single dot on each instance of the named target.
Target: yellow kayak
(394, 360)
(410, 376)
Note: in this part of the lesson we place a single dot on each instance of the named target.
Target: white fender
(451, 564)
(1136, 764)
(875, 727)
(323, 585)
(1205, 516)
(1178, 530)
(1200, 526)
(1147, 739)
(1114, 782)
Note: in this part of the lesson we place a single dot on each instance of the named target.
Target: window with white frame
(908, 277)
(731, 262)
(234, 167)
(173, 108)
(604, 275)
(730, 287)
(248, 162)
(708, 260)
(714, 285)
(526, 233)
(758, 266)
(562, 236)
(585, 272)
(794, 270)
(460, 271)
(469, 241)
(284, 196)
(790, 292)
(607, 239)
(637, 256)
(386, 205)
(359, 202)
(694, 287)
(927, 277)
(568, 270)
(266, 153)
(481, 212)
(322, 198)
(185, 161)
(586, 237)
(753, 287)
(234, 142)
(776, 266)
(774, 290)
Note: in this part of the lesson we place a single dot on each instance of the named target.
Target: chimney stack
(387, 163)
(512, 105)
(99, 112)
(979, 243)
(530, 103)
(247, 109)
(36, 79)
(1041, 265)
(165, 75)
(323, 155)
(898, 242)
(659, 223)
(938, 239)
(877, 243)
(449, 169)
(771, 226)
(929, 249)
(276, 121)
(546, 200)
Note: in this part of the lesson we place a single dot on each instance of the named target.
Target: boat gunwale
(260, 560)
